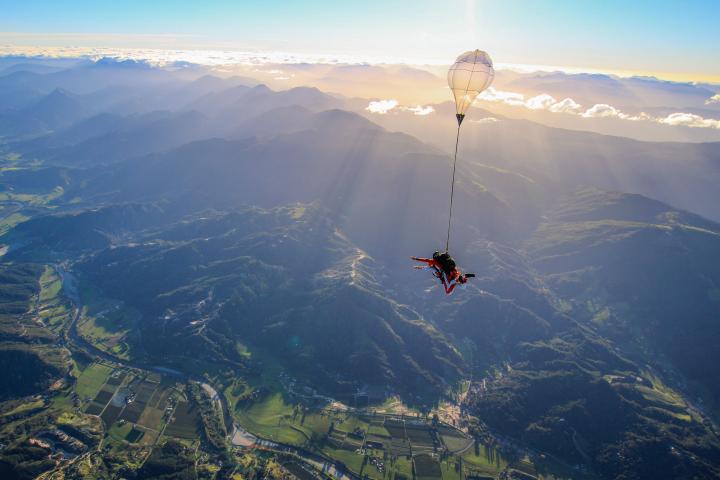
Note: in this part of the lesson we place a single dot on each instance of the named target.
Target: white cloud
(511, 98)
(420, 110)
(638, 117)
(601, 110)
(714, 99)
(567, 105)
(381, 106)
(384, 106)
(689, 120)
(485, 120)
(540, 102)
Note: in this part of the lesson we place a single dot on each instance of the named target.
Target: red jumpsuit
(449, 279)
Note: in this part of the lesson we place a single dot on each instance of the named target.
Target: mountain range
(233, 217)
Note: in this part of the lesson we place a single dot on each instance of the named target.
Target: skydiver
(445, 269)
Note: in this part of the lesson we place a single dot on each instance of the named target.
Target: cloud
(384, 106)
(381, 106)
(419, 110)
(714, 99)
(674, 119)
(689, 120)
(601, 110)
(510, 98)
(540, 102)
(485, 120)
(567, 105)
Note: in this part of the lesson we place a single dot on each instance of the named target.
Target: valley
(209, 278)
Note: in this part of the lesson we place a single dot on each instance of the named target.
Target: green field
(51, 308)
(450, 469)
(120, 432)
(378, 430)
(271, 419)
(235, 391)
(274, 418)
(487, 460)
(50, 285)
(106, 323)
(92, 379)
(352, 460)
(454, 442)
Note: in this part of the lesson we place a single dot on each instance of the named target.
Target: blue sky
(673, 39)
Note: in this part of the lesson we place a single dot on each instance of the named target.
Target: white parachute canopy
(471, 73)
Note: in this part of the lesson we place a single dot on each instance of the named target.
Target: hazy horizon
(359, 241)
(662, 39)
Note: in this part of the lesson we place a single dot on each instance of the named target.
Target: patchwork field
(134, 409)
(375, 446)
(91, 380)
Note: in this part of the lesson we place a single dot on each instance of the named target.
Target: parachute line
(466, 86)
(452, 185)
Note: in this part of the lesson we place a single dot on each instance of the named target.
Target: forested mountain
(240, 219)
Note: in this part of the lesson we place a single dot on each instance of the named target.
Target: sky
(670, 39)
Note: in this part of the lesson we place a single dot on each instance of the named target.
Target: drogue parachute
(471, 73)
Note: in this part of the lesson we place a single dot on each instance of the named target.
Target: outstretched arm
(429, 261)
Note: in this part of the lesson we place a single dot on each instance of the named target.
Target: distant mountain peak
(113, 62)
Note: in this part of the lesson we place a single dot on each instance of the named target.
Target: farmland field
(92, 379)
(185, 422)
(455, 442)
(132, 412)
(352, 460)
(419, 435)
(104, 396)
(110, 414)
(269, 419)
(486, 460)
(94, 408)
(151, 418)
(116, 379)
(395, 428)
(426, 467)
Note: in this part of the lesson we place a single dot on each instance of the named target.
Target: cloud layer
(600, 110)
(384, 106)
